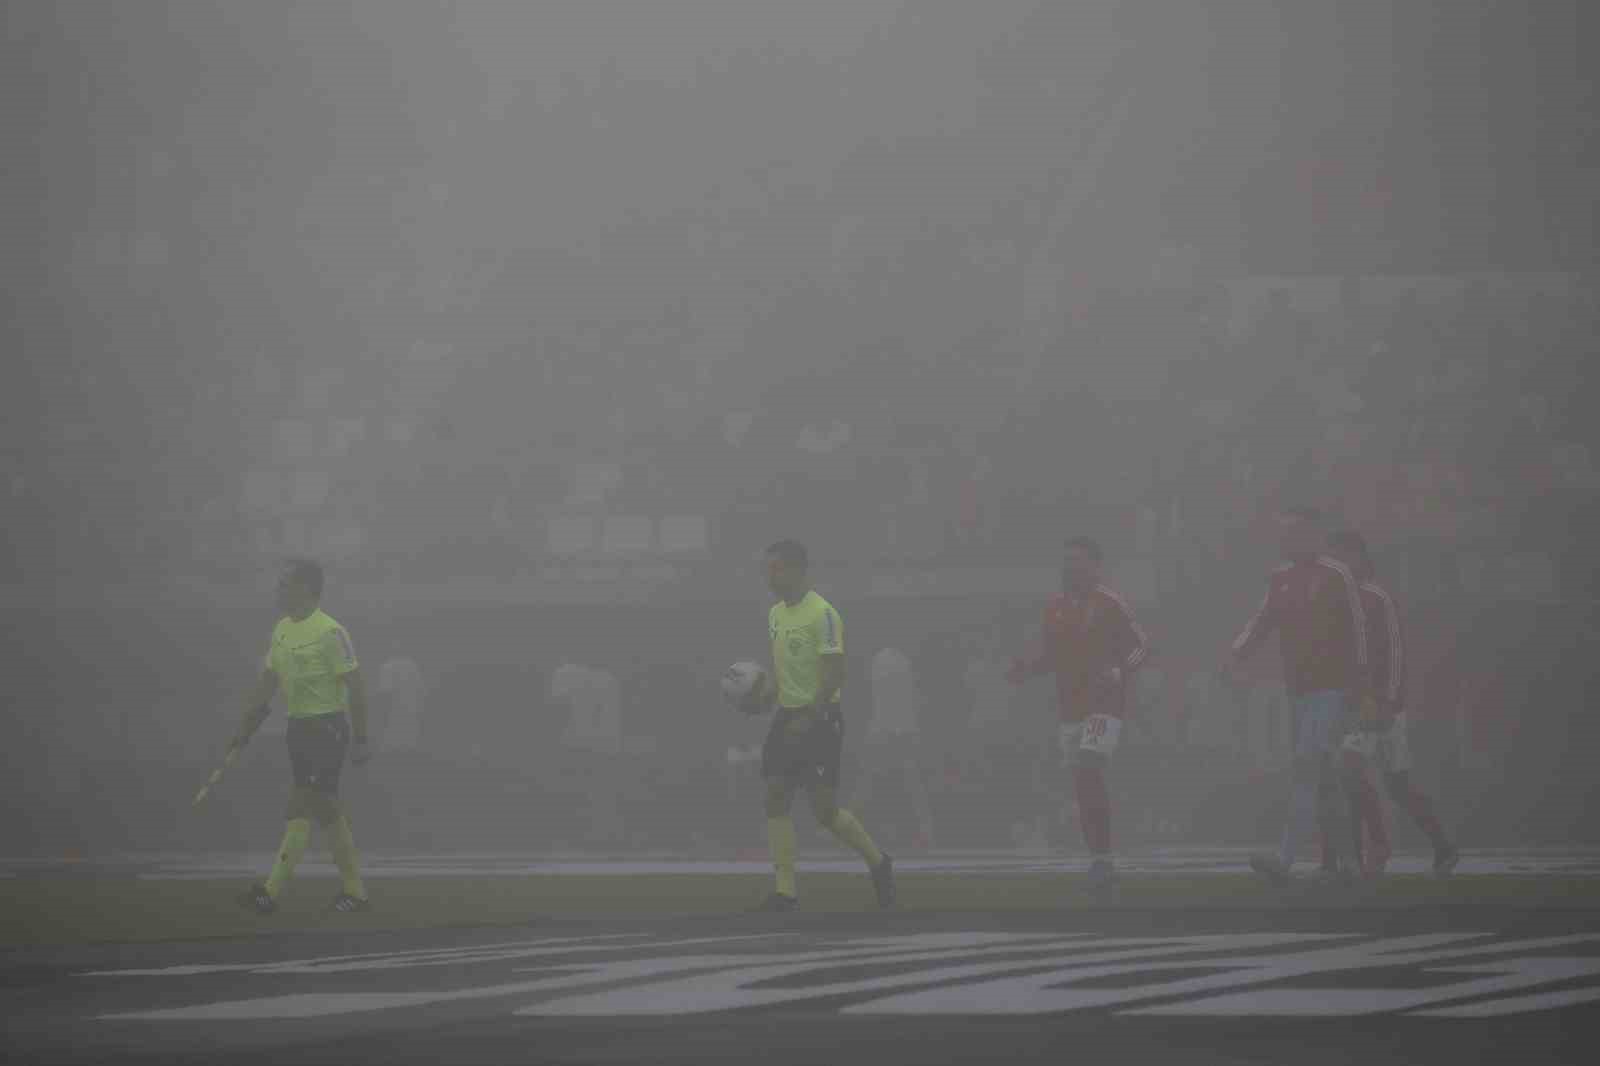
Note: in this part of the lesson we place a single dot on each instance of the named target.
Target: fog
(536, 323)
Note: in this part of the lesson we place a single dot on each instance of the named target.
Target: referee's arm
(257, 706)
(830, 679)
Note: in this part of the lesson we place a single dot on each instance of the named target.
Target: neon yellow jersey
(311, 658)
(801, 635)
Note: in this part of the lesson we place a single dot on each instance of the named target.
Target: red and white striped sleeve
(1358, 613)
(1394, 679)
(1132, 634)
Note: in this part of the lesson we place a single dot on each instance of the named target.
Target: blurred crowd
(1446, 418)
(1165, 420)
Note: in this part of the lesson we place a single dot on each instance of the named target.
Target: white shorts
(1095, 735)
(1390, 749)
(1362, 742)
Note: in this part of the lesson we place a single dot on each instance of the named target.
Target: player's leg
(826, 744)
(1327, 821)
(1319, 715)
(776, 760)
(1395, 757)
(263, 896)
(1366, 812)
(1088, 770)
(296, 838)
(1094, 817)
(1368, 836)
(1085, 751)
(343, 843)
(1328, 799)
(849, 831)
(845, 827)
(331, 746)
(1404, 792)
(1270, 865)
(825, 749)
(781, 844)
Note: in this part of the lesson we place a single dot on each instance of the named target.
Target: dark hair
(1349, 542)
(1304, 512)
(1088, 545)
(307, 573)
(792, 552)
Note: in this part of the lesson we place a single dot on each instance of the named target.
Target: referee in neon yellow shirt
(805, 742)
(312, 660)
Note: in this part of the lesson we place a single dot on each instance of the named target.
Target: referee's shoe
(776, 903)
(345, 903)
(883, 882)
(258, 899)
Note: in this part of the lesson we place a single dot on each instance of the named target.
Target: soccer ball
(741, 681)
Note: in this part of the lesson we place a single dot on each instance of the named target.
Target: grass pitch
(60, 910)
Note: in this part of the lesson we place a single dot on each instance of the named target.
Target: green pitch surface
(78, 910)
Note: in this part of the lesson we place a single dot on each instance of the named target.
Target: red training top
(1387, 649)
(1092, 644)
(1315, 604)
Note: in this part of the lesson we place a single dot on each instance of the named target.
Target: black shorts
(808, 757)
(316, 750)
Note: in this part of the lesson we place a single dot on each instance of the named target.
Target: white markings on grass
(731, 989)
(457, 956)
(595, 973)
(1228, 975)
(322, 1005)
(1513, 975)
(1050, 993)
(1497, 1008)
(327, 1004)
(1176, 862)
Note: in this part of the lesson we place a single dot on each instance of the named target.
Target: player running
(803, 747)
(1314, 604)
(1382, 735)
(311, 658)
(1093, 644)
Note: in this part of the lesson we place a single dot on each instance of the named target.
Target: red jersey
(1387, 649)
(1316, 607)
(1092, 644)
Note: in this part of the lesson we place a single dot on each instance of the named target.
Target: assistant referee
(312, 660)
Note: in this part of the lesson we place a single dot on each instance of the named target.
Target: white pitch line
(1496, 1008)
(1184, 862)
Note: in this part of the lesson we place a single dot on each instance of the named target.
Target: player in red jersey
(1092, 643)
(1381, 736)
(1314, 605)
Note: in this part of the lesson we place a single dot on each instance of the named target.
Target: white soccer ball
(739, 682)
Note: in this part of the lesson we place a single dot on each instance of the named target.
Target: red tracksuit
(1386, 650)
(1315, 605)
(1085, 639)
(1092, 644)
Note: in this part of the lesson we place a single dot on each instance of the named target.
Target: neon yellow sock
(851, 832)
(780, 842)
(343, 845)
(296, 835)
